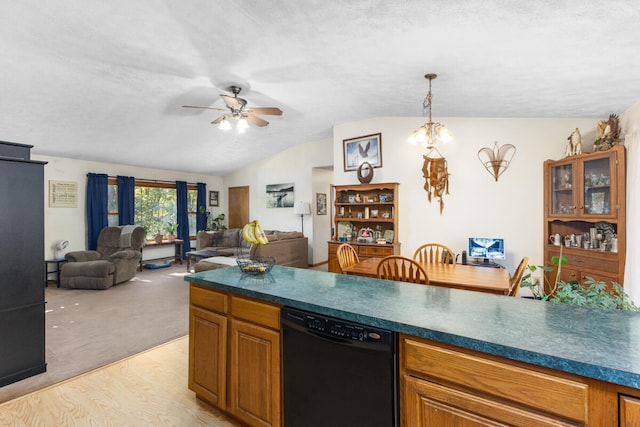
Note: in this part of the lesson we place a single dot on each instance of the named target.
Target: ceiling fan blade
(219, 119)
(270, 111)
(233, 102)
(256, 120)
(205, 108)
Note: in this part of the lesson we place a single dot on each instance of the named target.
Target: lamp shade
(301, 208)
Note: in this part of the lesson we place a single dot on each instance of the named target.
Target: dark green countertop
(600, 344)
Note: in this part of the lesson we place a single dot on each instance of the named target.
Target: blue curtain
(201, 211)
(182, 216)
(126, 200)
(97, 207)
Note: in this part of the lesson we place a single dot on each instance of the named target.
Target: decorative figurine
(575, 144)
(608, 133)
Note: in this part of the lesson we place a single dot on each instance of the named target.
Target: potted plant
(592, 294)
(216, 223)
(171, 229)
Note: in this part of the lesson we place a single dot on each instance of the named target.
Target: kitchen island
(515, 360)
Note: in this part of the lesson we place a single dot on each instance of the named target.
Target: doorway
(238, 206)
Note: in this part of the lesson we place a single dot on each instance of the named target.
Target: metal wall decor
(436, 176)
(496, 160)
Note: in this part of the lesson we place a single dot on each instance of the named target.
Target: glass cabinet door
(597, 187)
(562, 190)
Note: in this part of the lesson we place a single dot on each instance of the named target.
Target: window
(155, 206)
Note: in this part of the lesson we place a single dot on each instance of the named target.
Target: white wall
(70, 223)
(293, 165)
(477, 205)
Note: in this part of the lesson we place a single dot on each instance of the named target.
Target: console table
(177, 243)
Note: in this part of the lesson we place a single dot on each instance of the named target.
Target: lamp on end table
(302, 209)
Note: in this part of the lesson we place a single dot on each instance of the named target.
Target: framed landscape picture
(280, 195)
(366, 148)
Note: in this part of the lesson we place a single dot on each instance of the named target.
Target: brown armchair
(115, 260)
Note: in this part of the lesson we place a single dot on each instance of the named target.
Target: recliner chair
(115, 260)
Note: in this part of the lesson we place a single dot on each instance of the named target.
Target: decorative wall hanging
(280, 195)
(496, 161)
(321, 203)
(575, 144)
(362, 149)
(436, 175)
(365, 173)
(214, 198)
(608, 133)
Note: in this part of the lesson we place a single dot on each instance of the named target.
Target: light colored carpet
(87, 329)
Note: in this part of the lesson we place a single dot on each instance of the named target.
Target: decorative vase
(159, 238)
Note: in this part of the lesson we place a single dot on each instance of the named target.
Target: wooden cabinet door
(254, 383)
(208, 355)
(629, 411)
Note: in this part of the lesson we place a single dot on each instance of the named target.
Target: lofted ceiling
(105, 80)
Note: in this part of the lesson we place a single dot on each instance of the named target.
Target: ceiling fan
(238, 110)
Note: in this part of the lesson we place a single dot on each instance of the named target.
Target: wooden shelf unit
(359, 206)
(583, 192)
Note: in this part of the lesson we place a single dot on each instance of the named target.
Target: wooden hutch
(359, 207)
(584, 202)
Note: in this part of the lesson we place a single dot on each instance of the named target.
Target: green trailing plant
(592, 294)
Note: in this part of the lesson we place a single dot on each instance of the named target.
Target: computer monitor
(486, 249)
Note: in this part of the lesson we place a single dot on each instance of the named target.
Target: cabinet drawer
(333, 247)
(376, 250)
(629, 411)
(208, 299)
(488, 377)
(256, 311)
(603, 261)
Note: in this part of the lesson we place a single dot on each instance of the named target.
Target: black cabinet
(22, 305)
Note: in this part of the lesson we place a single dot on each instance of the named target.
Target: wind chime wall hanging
(434, 168)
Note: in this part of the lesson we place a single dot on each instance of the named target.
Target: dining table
(458, 276)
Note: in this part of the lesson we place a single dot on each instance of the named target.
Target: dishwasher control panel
(336, 327)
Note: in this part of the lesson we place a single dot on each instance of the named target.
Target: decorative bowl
(256, 265)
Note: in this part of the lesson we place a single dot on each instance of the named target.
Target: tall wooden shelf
(580, 193)
(360, 206)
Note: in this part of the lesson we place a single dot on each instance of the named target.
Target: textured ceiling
(105, 80)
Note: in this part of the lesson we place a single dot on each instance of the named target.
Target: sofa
(288, 248)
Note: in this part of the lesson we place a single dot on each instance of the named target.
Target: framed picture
(213, 198)
(321, 203)
(366, 148)
(280, 195)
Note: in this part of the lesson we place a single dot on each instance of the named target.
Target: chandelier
(430, 133)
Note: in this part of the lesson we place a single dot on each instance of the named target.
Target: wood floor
(148, 389)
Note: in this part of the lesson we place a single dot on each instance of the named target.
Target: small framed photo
(213, 198)
(366, 148)
(321, 203)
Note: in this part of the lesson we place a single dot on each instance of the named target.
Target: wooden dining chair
(433, 253)
(347, 256)
(402, 269)
(516, 279)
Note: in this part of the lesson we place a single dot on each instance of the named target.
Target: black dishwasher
(336, 372)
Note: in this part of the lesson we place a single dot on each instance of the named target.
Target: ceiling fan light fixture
(242, 124)
(224, 125)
